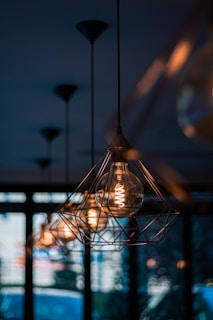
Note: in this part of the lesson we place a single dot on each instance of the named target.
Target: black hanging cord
(119, 130)
(92, 105)
(67, 142)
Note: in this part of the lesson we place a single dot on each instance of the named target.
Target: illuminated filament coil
(119, 195)
(92, 218)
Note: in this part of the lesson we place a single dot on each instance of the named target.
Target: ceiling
(41, 49)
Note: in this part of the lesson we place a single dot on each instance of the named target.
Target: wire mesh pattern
(87, 224)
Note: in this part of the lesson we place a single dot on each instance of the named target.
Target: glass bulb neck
(119, 167)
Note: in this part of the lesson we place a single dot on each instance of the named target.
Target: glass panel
(203, 267)
(12, 259)
(56, 197)
(13, 197)
(110, 284)
(57, 280)
(161, 277)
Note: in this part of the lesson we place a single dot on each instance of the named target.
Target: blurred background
(166, 89)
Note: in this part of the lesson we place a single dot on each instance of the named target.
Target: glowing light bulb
(90, 217)
(47, 237)
(66, 230)
(119, 192)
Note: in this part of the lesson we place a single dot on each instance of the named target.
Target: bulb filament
(92, 218)
(119, 195)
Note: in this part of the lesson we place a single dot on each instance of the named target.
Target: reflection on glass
(203, 266)
(110, 284)
(57, 277)
(12, 264)
(160, 279)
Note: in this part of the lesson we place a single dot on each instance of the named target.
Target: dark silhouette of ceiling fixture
(50, 134)
(43, 164)
(65, 92)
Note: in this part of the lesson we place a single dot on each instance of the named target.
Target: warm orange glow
(132, 154)
(150, 263)
(148, 79)
(181, 264)
(66, 230)
(178, 57)
(47, 238)
(189, 131)
(89, 216)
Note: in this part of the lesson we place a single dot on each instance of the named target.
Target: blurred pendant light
(47, 238)
(64, 226)
(65, 92)
(44, 237)
(57, 231)
(89, 215)
(195, 92)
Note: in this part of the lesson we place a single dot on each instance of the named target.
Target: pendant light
(119, 192)
(89, 215)
(64, 226)
(116, 186)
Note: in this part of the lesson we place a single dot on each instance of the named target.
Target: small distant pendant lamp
(43, 164)
(65, 228)
(45, 237)
(65, 92)
(50, 134)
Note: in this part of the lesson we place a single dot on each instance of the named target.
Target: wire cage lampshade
(115, 209)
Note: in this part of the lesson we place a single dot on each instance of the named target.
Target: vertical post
(28, 297)
(133, 299)
(87, 283)
(187, 238)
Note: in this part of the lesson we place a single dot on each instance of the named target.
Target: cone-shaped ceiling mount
(43, 162)
(65, 91)
(50, 133)
(118, 140)
(91, 29)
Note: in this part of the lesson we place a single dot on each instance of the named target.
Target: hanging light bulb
(90, 217)
(119, 192)
(66, 229)
(47, 237)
